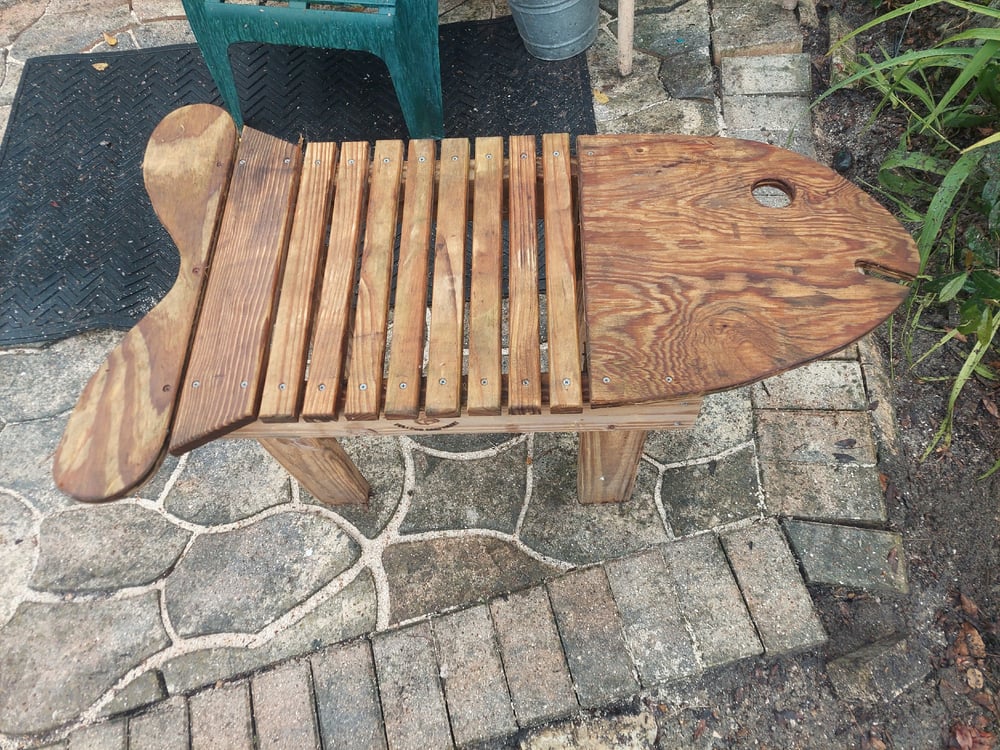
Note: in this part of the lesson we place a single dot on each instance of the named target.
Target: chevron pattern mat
(80, 246)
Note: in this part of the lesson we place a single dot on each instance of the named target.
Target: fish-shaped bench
(331, 290)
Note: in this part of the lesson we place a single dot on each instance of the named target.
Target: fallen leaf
(965, 737)
(100, 66)
(111, 41)
(600, 97)
(893, 559)
(975, 679)
(974, 641)
(699, 730)
(991, 407)
(985, 700)
(968, 606)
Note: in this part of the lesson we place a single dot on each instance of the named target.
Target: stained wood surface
(485, 315)
(560, 276)
(692, 286)
(116, 436)
(333, 315)
(225, 372)
(525, 366)
(607, 465)
(323, 467)
(444, 364)
(371, 314)
(283, 385)
(403, 392)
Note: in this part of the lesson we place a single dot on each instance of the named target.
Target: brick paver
(592, 637)
(347, 700)
(283, 708)
(475, 688)
(107, 736)
(413, 706)
(220, 718)
(533, 659)
(163, 728)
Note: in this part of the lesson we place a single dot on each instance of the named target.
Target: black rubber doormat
(80, 246)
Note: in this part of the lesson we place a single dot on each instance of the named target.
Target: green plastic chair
(403, 33)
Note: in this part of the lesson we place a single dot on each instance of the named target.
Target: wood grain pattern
(333, 313)
(116, 436)
(485, 315)
(402, 396)
(371, 314)
(560, 275)
(718, 290)
(286, 367)
(607, 465)
(323, 467)
(226, 366)
(444, 364)
(524, 363)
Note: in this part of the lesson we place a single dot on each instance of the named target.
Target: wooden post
(626, 27)
(608, 464)
(322, 467)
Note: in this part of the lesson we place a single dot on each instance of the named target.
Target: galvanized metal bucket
(556, 29)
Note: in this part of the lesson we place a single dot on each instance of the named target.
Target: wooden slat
(283, 386)
(717, 290)
(225, 368)
(371, 317)
(117, 434)
(322, 467)
(444, 364)
(485, 316)
(525, 389)
(402, 396)
(333, 314)
(560, 276)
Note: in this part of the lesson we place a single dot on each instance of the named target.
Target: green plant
(944, 177)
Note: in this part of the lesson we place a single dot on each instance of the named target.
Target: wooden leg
(626, 26)
(322, 467)
(608, 464)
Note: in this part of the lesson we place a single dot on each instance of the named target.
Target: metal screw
(605, 379)
(402, 386)
(555, 153)
(385, 160)
(196, 384)
(443, 381)
(524, 156)
(669, 379)
(566, 382)
(484, 381)
(288, 161)
(322, 386)
(317, 163)
(242, 162)
(422, 159)
(243, 384)
(350, 162)
(282, 386)
(525, 381)
(590, 153)
(454, 158)
(363, 387)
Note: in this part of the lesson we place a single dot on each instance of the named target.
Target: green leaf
(986, 285)
(951, 289)
(942, 202)
(973, 68)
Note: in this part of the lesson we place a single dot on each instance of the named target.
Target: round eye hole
(773, 193)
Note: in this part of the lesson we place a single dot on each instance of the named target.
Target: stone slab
(592, 637)
(163, 728)
(768, 112)
(879, 671)
(475, 688)
(711, 601)
(144, 690)
(772, 588)
(75, 31)
(56, 659)
(848, 556)
(283, 708)
(18, 544)
(724, 423)
(105, 548)
(413, 706)
(824, 492)
(797, 139)
(241, 580)
(753, 27)
(789, 75)
(220, 718)
(650, 609)
(107, 736)
(631, 731)
(815, 437)
(711, 493)
(347, 702)
(537, 675)
(832, 385)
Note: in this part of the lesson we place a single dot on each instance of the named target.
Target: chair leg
(322, 467)
(215, 49)
(414, 64)
(608, 464)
